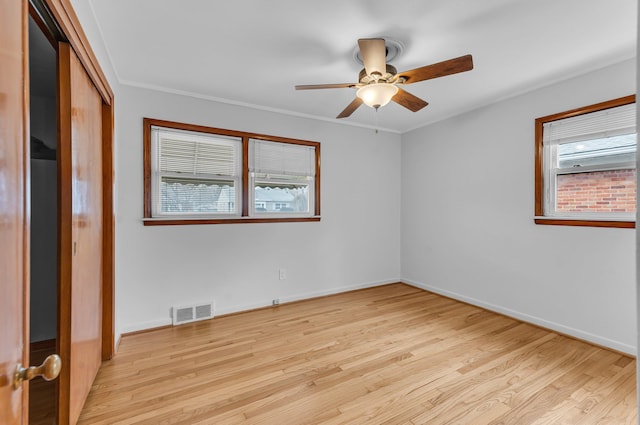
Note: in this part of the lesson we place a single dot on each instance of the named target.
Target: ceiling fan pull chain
(377, 120)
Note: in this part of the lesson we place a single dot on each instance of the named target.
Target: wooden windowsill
(243, 220)
(624, 224)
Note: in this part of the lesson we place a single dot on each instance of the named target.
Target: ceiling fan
(378, 83)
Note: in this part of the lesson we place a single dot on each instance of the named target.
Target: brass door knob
(49, 369)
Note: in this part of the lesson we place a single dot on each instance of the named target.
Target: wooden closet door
(14, 230)
(80, 233)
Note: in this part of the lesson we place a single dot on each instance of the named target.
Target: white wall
(356, 244)
(467, 220)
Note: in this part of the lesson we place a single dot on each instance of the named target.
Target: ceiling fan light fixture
(377, 94)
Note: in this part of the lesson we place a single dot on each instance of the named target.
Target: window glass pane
(605, 151)
(181, 195)
(279, 197)
(612, 191)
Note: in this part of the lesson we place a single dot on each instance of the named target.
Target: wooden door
(80, 233)
(14, 230)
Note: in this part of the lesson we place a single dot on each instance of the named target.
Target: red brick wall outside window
(600, 191)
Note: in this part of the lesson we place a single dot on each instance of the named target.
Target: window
(195, 174)
(586, 166)
(202, 175)
(282, 177)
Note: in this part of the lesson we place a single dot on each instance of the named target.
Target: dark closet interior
(44, 237)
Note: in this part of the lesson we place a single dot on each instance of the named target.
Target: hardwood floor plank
(393, 354)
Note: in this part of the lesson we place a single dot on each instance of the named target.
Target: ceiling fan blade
(374, 55)
(349, 109)
(325, 86)
(408, 100)
(440, 69)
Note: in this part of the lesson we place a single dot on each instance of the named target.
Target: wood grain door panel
(81, 224)
(14, 230)
(81, 114)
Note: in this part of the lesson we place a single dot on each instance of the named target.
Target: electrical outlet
(282, 273)
(276, 301)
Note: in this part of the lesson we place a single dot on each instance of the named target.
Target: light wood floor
(387, 355)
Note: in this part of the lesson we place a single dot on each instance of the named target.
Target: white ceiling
(253, 52)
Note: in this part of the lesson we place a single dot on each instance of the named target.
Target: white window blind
(610, 122)
(195, 173)
(201, 154)
(281, 158)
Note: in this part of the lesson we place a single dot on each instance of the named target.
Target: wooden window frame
(539, 168)
(149, 220)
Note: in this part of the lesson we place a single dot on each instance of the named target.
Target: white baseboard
(302, 296)
(221, 309)
(577, 333)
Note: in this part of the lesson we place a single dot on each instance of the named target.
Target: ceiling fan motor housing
(373, 78)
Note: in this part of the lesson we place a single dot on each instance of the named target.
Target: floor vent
(193, 313)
